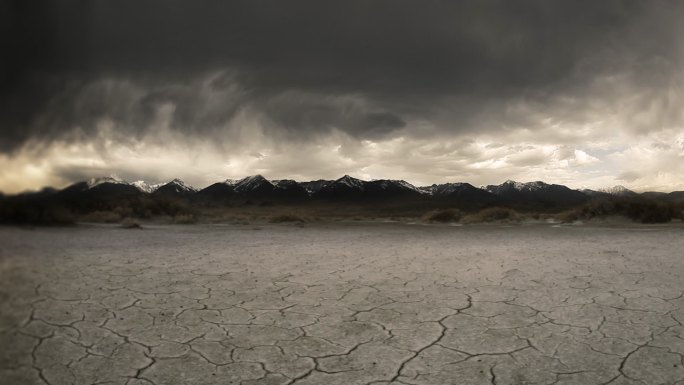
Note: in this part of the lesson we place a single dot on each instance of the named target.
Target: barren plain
(342, 303)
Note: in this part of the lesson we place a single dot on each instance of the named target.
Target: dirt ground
(342, 303)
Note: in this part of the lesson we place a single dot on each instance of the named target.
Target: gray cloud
(469, 65)
(288, 76)
(628, 176)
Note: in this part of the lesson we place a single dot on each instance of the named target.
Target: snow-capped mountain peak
(444, 189)
(527, 186)
(511, 185)
(251, 183)
(350, 182)
(98, 181)
(407, 185)
(387, 184)
(179, 185)
(315, 185)
(146, 187)
(516, 185)
(618, 190)
(284, 183)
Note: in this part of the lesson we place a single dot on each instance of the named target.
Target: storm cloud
(548, 80)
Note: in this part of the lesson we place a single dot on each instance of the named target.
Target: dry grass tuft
(443, 216)
(36, 214)
(184, 219)
(493, 214)
(284, 218)
(131, 224)
(102, 217)
(638, 210)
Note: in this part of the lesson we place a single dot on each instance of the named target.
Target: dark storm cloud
(363, 67)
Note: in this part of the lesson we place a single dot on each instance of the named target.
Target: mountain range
(257, 189)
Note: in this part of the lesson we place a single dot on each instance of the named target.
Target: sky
(583, 93)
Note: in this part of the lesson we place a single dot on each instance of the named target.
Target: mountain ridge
(102, 199)
(313, 186)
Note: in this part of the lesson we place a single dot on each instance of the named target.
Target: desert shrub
(443, 215)
(131, 224)
(58, 216)
(282, 218)
(649, 212)
(130, 207)
(102, 217)
(123, 211)
(143, 207)
(184, 219)
(171, 207)
(569, 216)
(492, 214)
(599, 208)
(678, 212)
(636, 209)
(36, 214)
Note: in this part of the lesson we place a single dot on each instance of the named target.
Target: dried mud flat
(342, 304)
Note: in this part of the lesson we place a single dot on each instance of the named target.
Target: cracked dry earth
(342, 304)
